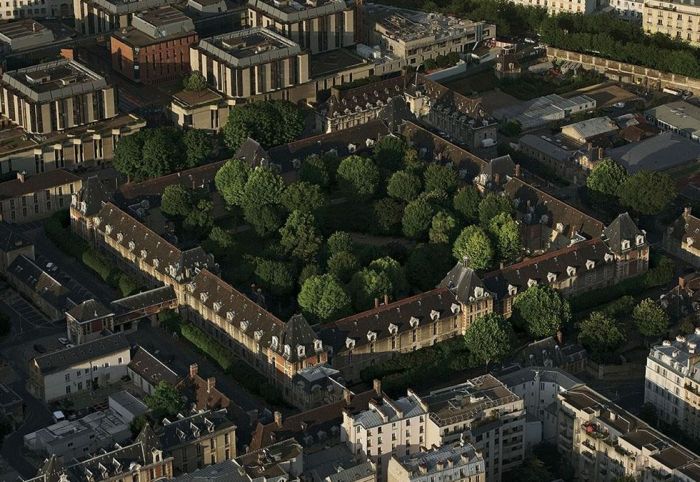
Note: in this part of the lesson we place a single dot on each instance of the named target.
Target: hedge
(208, 345)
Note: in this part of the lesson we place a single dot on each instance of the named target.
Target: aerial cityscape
(349, 240)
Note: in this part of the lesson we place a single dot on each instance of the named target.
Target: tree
(316, 170)
(388, 214)
(394, 271)
(220, 242)
(417, 218)
(533, 470)
(600, 333)
(265, 219)
(367, 285)
(474, 245)
(489, 339)
(275, 276)
(389, 152)
(542, 311)
(165, 401)
(307, 272)
(466, 202)
(176, 200)
(231, 179)
(359, 176)
(648, 192)
(338, 242)
(323, 298)
(270, 122)
(440, 178)
(404, 186)
(443, 228)
(606, 177)
(427, 264)
(650, 318)
(300, 237)
(200, 217)
(264, 186)
(491, 206)
(343, 265)
(198, 147)
(194, 82)
(303, 196)
(511, 128)
(127, 155)
(506, 233)
(411, 161)
(162, 152)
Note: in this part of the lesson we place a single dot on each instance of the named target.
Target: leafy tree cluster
(601, 334)
(192, 208)
(271, 123)
(442, 61)
(166, 401)
(645, 192)
(194, 82)
(160, 151)
(541, 311)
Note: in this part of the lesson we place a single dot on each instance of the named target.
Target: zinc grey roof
(10, 239)
(68, 357)
(39, 281)
(657, 153)
(681, 115)
(151, 369)
(295, 12)
(94, 194)
(226, 471)
(352, 474)
(588, 128)
(464, 283)
(88, 310)
(553, 375)
(185, 430)
(547, 148)
(224, 48)
(621, 229)
(252, 152)
(297, 332)
(144, 299)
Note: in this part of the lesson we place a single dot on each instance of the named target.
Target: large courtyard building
(316, 25)
(35, 9)
(54, 96)
(100, 16)
(250, 62)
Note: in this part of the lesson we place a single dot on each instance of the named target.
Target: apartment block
(29, 198)
(561, 6)
(64, 372)
(481, 411)
(316, 25)
(55, 96)
(23, 35)
(35, 9)
(250, 62)
(673, 382)
(156, 47)
(628, 9)
(678, 19)
(102, 16)
(452, 462)
(605, 443)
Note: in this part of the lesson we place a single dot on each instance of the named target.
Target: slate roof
(502, 166)
(10, 239)
(88, 310)
(166, 258)
(621, 229)
(188, 429)
(446, 98)
(464, 283)
(144, 299)
(226, 471)
(94, 194)
(536, 206)
(378, 320)
(40, 282)
(550, 149)
(555, 262)
(686, 226)
(252, 152)
(374, 95)
(151, 368)
(68, 357)
(37, 182)
(297, 332)
(272, 462)
(351, 474)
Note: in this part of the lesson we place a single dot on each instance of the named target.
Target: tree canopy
(650, 318)
(389, 152)
(230, 181)
(165, 401)
(343, 265)
(388, 215)
(541, 310)
(648, 192)
(194, 82)
(417, 218)
(366, 285)
(270, 122)
(323, 298)
(466, 203)
(274, 276)
(474, 245)
(600, 333)
(440, 178)
(359, 177)
(489, 339)
(198, 147)
(338, 242)
(606, 177)
(300, 237)
(427, 264)
(303, 196)
(492, 205)
(506, 234)
(404, 186)
(443, 228)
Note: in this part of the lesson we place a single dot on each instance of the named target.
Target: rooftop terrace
(243, 48)
(54, 80)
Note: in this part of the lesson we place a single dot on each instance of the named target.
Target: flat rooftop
(243, 48)
(326, 63)
(682, 115)
(410, 26)
(54, 80)
(293, 11)
(156, 25)
(124, 7)
(21, 28)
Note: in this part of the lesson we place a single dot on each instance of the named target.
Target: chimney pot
(376, 302)
(21, 176)
(517, 170)
(687, 211)
(211, 383)
(377, 385)
(386, 299)
(278, 418)
(681, 282)
(194, 368)
(347, 395)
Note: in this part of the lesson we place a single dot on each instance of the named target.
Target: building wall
(38, 205)
(166, 60)
(673, 19)
(208, 117)
(628, 9)
(209, 449)
(561, 6)
(35, 9)
(459, 472)
(78, 378)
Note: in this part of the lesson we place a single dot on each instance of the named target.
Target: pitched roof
(368, 96)
(10, 239)
(144, 299)
(657, 153)
(252, 152)
(380, 320)
(68, 357)
(36, 182)
(151, 369)
(188, 429)
(94, 194)
(88, 310)
(502, 166)
(464, 283)
(39, 281)
(621, 229)
(686, 226)
(295, 333)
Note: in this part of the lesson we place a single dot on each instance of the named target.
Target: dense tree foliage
(274, 276)
(440, 178)
(358, 177)
(417, 218)
(323, 298)
(303, 196)
(427, 264)
(198, 147)
(338, 242)
(176, 200)
(506, 235)
(606, 177)
(600, 334)
(367, 285)
(165, 401)
(343, 265)
(300, 237)
(194, 82)
(650, 318)
(389, 152)
(394, 271)
(230, 181)
(271, 123)
(404, 185)
(541, 310)
(388, 214)
(491, 206)
(443, 228)
(466, 203)
(474, 245)
(648, 192)
(489, 339)
(319, 169)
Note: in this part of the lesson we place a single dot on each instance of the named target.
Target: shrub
(208, 345)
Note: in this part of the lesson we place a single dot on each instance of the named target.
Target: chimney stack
(347, 396)
(376, 302)
(211, 383)
(278, 419)
(194, 368)
(517, 170)
(681, 282)
(386, 299)
(560, 337)
(21, 176)
(377, 385)
(687, 211)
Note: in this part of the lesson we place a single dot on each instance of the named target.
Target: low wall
(624, 371)
(628, 73)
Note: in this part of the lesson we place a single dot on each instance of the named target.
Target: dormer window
(349, 343)
(244, 325)
(258, 335)
(318, 345)
(217, 306)
(108, 229)
(590, 264)
(625, 244)
(120, 237)
(301, 351)
(352, 148)
(371, 336)
(689, 241)
(571, 271)
(413, 322)
(275, 342)
(531, 282)
(229, 316)
(551, 277)
(608, 257)
(204, 296)
(393, 329)
(156, 262)
(544, 219)
(560, 227)
(512, 290)
(144, 253)
(478, 292)
(369, 142)
(434, 315)
(132, 245)
(191, 287)
(455, 308)
(640, 239)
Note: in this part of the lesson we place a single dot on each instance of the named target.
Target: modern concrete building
(35, 9)
(98, 363)
(250, 62)
(102, 16)
(204, 109)
(452, 462)
(316, 26)
(29, 198)
(156, 47)
(675, 18)
(55, 96)
(23, 35)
